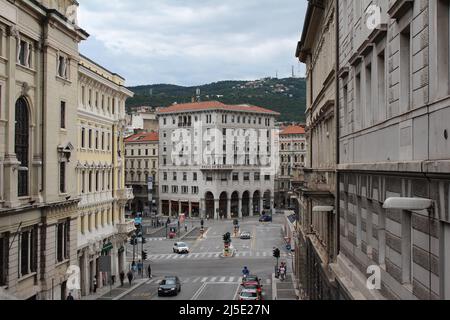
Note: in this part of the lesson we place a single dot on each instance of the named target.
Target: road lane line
(199, 291)
(231, 279)
(204, 279)
(195, 280)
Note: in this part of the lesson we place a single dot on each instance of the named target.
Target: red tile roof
(143, 137)
(292, 130)
(214, 105)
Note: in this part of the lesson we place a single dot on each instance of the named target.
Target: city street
(204, 274)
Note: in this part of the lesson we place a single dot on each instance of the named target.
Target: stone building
(141, 165)
(394, 142)
(102, 229)
(316, 244)
(292, 161)
(217, 160)
(38, 102)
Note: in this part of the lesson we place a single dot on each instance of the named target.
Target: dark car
(170, 286)
(265, 219)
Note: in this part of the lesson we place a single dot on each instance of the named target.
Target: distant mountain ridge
(286, 96)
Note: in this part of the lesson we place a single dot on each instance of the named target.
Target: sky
(193, 42)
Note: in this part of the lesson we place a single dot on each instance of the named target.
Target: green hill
(286, 96)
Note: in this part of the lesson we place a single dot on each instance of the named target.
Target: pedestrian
(95, 284)
(149, 271)
(140, 268)
(130, 277)
(186, 228)
(70, 297)
(122, 278)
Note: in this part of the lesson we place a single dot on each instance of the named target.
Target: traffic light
(276, 253)
(144, 255)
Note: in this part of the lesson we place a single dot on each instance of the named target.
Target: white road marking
(268, 282)
(195, 280)
(222, 279)
(231, 279)
(204, 279)
(213, 279)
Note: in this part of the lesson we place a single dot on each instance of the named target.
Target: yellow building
(101, 173)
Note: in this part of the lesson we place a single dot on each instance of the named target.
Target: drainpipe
(336, 114)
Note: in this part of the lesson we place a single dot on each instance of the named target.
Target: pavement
(204, 274)
(284, 290)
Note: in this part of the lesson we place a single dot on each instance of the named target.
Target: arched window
(21, 145)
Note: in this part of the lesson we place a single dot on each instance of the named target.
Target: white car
(180, 247)
(249, 295)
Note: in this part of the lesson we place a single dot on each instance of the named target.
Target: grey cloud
(192, 42)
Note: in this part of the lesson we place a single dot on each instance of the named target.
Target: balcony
(126, 227)
(125, 194)
(95, 198)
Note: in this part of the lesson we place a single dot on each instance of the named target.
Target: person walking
(95, 284)
(140, 268)
(130, 277)
(149, 271)
(122, 278)
(70, 297)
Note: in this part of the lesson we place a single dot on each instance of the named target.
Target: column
(202, 208)
(240, 208)
(216, 209)
(229, 208)
(190, 209)
(251, 212)
(160, 206)
(272, 201)
(261, 205)
(179, 208)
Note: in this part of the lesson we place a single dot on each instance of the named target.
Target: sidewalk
(284, 290)
(117, 291)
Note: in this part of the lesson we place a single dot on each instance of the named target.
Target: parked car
(180, 247)
(265, 218)
(246, 235)
(170, 286)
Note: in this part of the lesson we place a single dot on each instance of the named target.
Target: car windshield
(251, 278)
(168, 282)
(182, 245)
(249, 294)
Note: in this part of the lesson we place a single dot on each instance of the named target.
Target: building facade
(102, 229)
(216, 160)
(395, 114)
(141, 158)
(38, 98)
(293, 152)
(316, 247)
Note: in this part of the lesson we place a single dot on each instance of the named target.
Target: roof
(143, 137)
(215, 105)
(292, 130)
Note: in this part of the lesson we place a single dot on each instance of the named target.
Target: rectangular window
(257, 176)
(165, 189)
(28, 252)
(62, 241)
(83, 137)
(246, 176)
(103, 141)
(209, 177)
(175, 189)
(83, 182)
(236, 176)
(267, 177)
(224, 177)
(96, 140)
(345, 105)
(357, 107)
(405, 69)
(195, 176)
(90, 139)
(3, 260)
(184, 176)
(97, 180)
(174, 176)
(63, 115)
(382, 111)
(62, 177)
(165, 176)
(368, 108)
(184, 190)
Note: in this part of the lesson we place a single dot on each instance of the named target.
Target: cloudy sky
(193, 42)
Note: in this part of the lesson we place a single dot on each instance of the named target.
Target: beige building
(141, 158)
(293, 151)
(316, 244)
(101, 170)
(38, 98)
(394, 142)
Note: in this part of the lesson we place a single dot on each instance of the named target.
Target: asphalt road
(204, 274)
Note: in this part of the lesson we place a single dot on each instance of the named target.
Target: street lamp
(415, 204)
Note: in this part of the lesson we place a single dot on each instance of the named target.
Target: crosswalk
(210, 280)
(212, 255)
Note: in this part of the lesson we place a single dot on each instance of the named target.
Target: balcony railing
(125, 194)
(126, 227)
(95, 198)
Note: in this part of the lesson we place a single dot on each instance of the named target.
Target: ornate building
(217, 160)
(293, 151)
(317, 246)
(38, 102)
(141, 158)
(102, 229)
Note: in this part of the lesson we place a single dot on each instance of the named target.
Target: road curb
(274, 287)
(120, 296)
